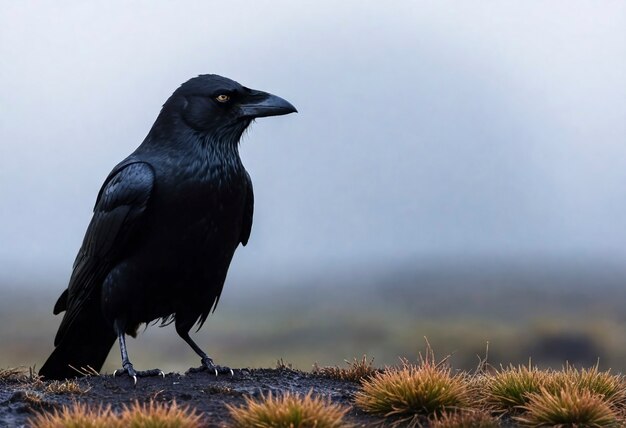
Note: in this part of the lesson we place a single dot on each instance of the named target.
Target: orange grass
(76, 416)
(610, 387)
(151, 415)
(357, 370)
(510, 387)
(289, 411)
(568, 407)
(65, 387)
(19, 374)
(464, 419)
(421, 389)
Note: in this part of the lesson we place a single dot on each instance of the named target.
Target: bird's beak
(262, 104)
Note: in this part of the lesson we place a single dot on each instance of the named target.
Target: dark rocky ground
(202, 391)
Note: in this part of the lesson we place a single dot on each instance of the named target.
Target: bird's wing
(120, 206)
(247, 213)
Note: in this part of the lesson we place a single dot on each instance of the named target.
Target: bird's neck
(218, 148)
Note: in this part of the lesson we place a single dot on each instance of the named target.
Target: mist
(426, 131)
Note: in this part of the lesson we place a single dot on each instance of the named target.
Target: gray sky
(426, 128)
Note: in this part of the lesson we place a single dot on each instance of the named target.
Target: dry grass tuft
(65, 387)
(85, 371)
(568, 407)
(153, 415)
(289, 411)
(32, 398)
(283, 365)
(18, 374)
(150, 415)
(356, 371)
(413, 390)
(464, 419)
(509, 388)
(76, 416)
(609, 386)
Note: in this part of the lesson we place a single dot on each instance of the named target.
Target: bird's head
(214, 104)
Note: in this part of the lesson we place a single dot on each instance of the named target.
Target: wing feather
(121, 204)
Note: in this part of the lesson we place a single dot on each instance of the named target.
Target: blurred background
(457, 171)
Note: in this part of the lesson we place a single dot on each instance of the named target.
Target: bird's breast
(197, 211)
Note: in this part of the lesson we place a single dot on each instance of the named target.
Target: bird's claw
(119, 372)
(129, 371)
(209, 365)
(132, 373)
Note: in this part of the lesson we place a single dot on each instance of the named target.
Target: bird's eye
(223, 98)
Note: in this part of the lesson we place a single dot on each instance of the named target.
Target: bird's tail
(85, 345)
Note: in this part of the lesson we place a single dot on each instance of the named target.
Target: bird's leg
(207, 362)
(128, 366)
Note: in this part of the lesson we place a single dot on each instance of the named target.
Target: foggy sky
(425, 128)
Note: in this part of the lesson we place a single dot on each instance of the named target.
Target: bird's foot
(134, 374)
(211, 367)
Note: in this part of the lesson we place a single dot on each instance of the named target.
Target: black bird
(166, 224)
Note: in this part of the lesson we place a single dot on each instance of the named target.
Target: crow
(165, 226)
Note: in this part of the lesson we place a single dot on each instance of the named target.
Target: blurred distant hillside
(549, 312)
